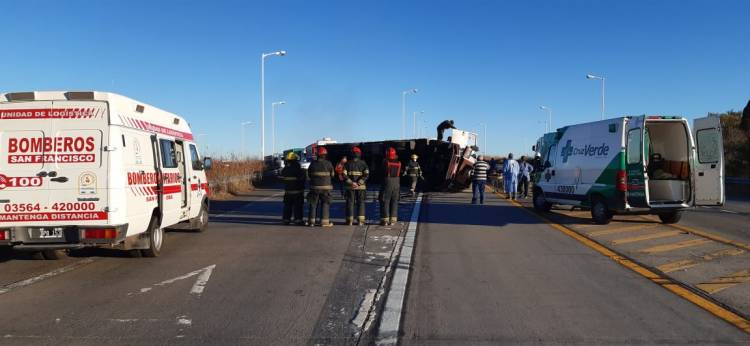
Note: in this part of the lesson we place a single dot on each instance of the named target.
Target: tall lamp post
(549, 117)
(403, 110)
(263, 99)
(591, 76)
(205, 146)
(242, 128)
(273, 125)
(416, 133)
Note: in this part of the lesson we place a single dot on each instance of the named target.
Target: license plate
(46, 233)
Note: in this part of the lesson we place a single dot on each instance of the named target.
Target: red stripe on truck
(170, 189)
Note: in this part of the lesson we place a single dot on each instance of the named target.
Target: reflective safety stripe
(322, 187)
(290, 178)
(356, 174)
(293, 192)
(359, 187)
(413, 174)
(321, 174)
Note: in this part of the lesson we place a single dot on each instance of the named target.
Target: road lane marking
(674, 246)
(661, 280)
(723, 282)
(45, 276)
(685, 264)
(646, 237)
(204, 274)
(621, 230)
(711, 236)
(390, 322)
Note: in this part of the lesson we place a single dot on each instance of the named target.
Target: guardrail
(737, 187)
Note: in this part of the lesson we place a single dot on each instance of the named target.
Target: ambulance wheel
(52, 254)
(671, 217)
(540, 204)
(202, 218)
(155, 239)
(600, 212)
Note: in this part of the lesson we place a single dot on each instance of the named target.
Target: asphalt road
(268, 284)
(494, 274)
(483, 274)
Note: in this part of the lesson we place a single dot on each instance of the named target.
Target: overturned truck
(445, 165)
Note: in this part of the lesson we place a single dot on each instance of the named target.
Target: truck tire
(540, 204)
(201, 220)
(600, 211)
(52, 254)
(155, 239)
(671, 217)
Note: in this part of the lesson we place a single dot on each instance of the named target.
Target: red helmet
(357, 150)
(392, 154)
(322, 151)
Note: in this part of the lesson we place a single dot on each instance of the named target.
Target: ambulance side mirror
(207, 164)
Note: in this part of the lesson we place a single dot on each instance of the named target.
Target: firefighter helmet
(414, 157)
(322, 151)
(357, 150)
(392, 154)
(291, 156)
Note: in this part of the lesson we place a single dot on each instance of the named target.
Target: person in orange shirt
(340, 168)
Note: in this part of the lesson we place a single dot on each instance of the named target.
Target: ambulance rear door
(635, 161)
(708, 172)
(23, 188)
(76, 168)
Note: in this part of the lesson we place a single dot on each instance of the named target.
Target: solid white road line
(394, 303)
(56, 272)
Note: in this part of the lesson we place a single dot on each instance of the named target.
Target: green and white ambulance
(632, 165)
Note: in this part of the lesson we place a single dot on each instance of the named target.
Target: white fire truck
(81, 169)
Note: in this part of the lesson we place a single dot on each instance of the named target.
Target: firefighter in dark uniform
(320, 173)
(446, 124)
(293, 177)
(356, 173)
(390, 191)
(414, 172)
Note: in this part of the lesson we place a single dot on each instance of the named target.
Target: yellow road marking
(675, 246)
(646, 237)
(711, 236)
(621, 230)
(706, 304)
(685, 264)
(724, 282)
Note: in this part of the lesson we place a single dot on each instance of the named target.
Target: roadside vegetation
(736, 145)
(231, 176)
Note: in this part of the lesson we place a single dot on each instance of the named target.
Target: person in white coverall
(510, 173)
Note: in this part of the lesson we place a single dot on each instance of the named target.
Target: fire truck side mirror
(533, 148)
(207, 164)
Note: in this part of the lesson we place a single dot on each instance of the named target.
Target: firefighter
(414, 172)
(320, 173)
(446, 124)
(293, 177)
(390, 190)
(356, 173)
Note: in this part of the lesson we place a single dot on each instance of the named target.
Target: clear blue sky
(475, 62)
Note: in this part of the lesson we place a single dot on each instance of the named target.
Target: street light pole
(273, 125)
(416, 133)
(403, 110)
(549, 116)
(591, 76)
(263, 99)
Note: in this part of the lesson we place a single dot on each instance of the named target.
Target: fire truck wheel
(202, 218)
(155, 239)
(52, 254)
(671, 217)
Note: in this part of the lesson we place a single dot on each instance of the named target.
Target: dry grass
(230, 176)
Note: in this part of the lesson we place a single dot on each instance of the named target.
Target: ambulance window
(708, 145)
(168, 159)
(634, 146)
(196, 160)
